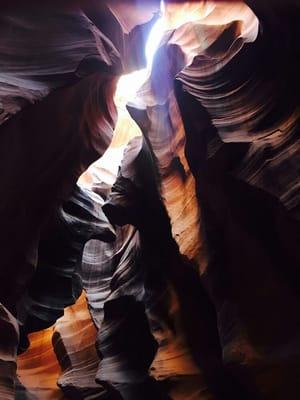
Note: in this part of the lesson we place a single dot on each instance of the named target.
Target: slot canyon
(150, 200)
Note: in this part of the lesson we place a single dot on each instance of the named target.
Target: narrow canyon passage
(150, 169)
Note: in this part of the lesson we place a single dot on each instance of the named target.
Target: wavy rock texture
(9, 338)
(60, 255)
(83, 132)
(38, 369)
(129, 200)
(258, 136)
(85, 70)
(73, 341)
(183, 236)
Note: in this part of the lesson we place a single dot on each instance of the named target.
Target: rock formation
(149, 208)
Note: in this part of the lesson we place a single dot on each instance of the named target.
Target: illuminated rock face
(171, 271)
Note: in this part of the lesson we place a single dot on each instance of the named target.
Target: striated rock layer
(169, 270)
